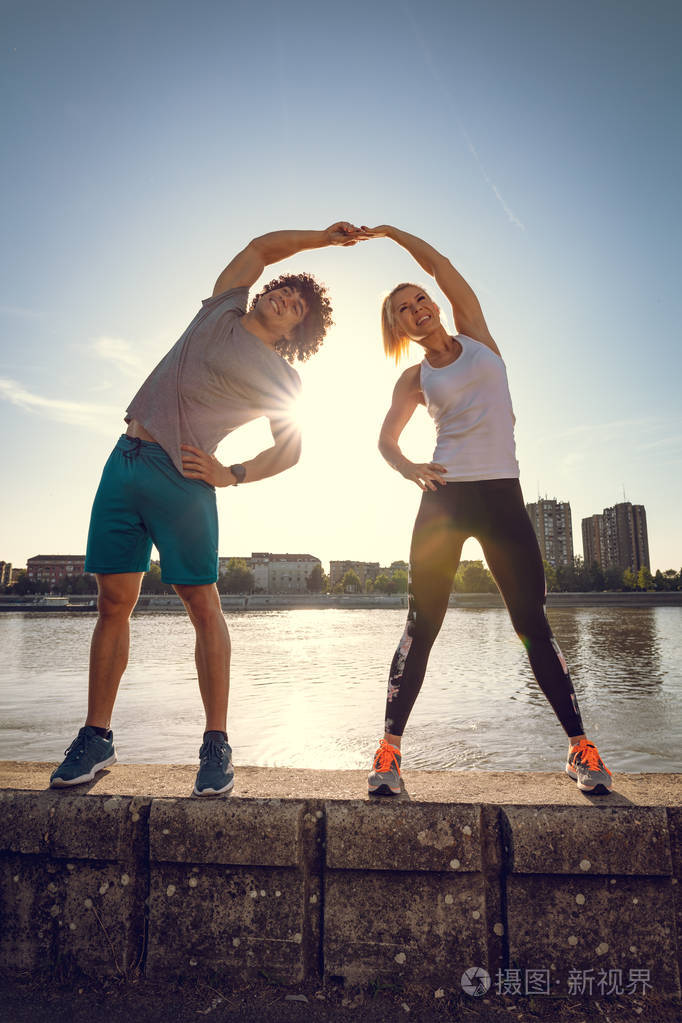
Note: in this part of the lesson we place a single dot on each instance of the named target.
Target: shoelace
(589, 755)
(212, 751)
(77, 746)
(385, 758)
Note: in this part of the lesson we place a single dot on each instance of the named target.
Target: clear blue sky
(537, 144)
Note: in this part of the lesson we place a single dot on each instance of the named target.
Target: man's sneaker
(88, 753)
(384, 778)
(216, 773)
(585, 766)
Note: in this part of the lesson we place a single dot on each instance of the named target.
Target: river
(308, 689)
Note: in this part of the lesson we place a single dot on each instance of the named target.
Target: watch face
(239, 472)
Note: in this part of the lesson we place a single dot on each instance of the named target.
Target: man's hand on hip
(198, 465)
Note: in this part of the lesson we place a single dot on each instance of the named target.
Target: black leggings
(493, 512)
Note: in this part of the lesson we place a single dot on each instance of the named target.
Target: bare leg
(110, 643)
(212, 651)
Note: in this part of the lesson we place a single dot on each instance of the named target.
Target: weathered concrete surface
(591, 892)
(253, 832)
(384, 914)
(229, 889)
(620, 840)
(592, 924)
(496, 787)
(299, 875)
(432, 836)
(74, 877)
(675, 832)
(403, 927)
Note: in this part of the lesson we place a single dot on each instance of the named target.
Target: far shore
(149, 603)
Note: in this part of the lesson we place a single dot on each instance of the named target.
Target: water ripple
(308, 689)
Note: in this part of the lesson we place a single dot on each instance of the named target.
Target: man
(228, 368)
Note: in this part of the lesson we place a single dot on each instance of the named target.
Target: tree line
(471, 577)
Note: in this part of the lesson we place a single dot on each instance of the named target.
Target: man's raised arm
(248, 265)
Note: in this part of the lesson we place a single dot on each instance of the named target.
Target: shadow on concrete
(383, 798)
(85, 786)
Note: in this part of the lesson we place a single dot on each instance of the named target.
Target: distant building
(277, 573)
(363, 569)
(5, 573)
(618, 538)
(54, 569)
(553, 527)
(594, 546)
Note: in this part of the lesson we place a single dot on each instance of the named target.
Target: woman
(471, 488)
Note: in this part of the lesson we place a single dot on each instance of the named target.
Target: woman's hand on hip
(425, 475)
(199, 465)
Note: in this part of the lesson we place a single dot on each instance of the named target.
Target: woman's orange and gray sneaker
(586, 767)
(384, 778)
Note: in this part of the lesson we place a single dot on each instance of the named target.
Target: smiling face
(414, 313)
(281, 310)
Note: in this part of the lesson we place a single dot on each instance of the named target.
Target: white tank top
(470, 404)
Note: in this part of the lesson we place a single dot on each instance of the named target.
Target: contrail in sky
(470, 146)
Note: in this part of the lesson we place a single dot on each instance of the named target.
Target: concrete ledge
(432, 836)
(299, 875)
(545, 788)
(254, 832)
(621, 840)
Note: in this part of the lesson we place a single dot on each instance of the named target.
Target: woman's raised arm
(466, 308)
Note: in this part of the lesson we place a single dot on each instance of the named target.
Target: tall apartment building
(617, 538)
(5, 573)
(54, 568)
(363, 569)
(277, 573)
(594, 548)
(553, 527)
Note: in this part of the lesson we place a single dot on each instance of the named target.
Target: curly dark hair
(309, 334)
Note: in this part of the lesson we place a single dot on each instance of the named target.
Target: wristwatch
(239, 473)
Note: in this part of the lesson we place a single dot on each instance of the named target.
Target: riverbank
(294, 880)
(308, 601)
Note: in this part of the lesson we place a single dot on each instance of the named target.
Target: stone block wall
(296, 889)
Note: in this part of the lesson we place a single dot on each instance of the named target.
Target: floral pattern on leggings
(400, 656)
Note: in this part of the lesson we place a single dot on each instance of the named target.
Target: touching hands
(198, 465)
(424, 474)
(343, 233)
(382, 231)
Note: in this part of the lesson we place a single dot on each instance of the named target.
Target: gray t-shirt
(217, 377)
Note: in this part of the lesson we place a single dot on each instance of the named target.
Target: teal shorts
(142, 500)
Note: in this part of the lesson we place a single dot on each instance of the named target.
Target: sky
(536, 144)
